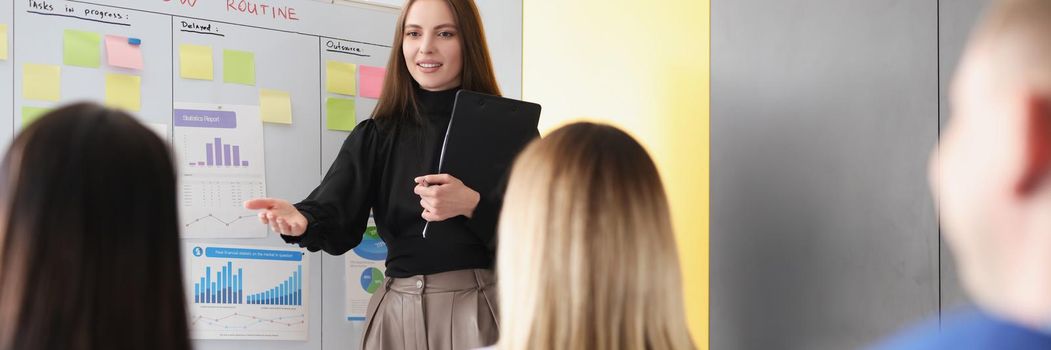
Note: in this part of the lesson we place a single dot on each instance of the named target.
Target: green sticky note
(41, 82)
(238, 67)
(339, 114)
(124, 91)
(339, 78)
(82, 49)
(195, 61)
(31, 114)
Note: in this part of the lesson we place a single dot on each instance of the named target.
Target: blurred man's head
(991, 173)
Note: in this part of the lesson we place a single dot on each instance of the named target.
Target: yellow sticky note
(31, 114)
(276, 106)
(3, 41)
(124, 91)
(195, 61)
(339, 78)
(41, 82)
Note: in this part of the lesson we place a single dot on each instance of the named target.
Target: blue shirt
(969, 330)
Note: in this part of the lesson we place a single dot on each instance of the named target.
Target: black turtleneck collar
(436, 102)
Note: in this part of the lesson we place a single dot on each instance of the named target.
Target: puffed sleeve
(337, 211)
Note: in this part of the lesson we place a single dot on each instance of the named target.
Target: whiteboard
(290, 50)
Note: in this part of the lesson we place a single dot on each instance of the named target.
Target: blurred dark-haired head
(89, 246)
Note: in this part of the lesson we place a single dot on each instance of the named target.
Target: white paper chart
(365, 266)
(245, 292)
(220, 153)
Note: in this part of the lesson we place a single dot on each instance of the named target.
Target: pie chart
(371, 279)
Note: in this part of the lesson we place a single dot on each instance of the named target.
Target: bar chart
(289, 292)
(226, 288)
(218, 154)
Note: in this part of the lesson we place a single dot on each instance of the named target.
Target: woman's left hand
(443, 196)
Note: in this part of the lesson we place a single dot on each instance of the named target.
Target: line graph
(217, 219)
(238, 320)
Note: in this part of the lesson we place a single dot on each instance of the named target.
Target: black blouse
(374, 170)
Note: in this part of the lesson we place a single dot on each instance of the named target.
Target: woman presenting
(438, 292)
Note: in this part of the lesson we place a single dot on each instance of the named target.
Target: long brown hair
(89, 236)
(398, 99)
(587, 256)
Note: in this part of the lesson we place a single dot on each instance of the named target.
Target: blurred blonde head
(587, 256)
(991, 172)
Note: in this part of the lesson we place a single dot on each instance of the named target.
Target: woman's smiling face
(432, 46)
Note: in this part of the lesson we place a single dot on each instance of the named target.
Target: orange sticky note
(371, 81)
(119, 53)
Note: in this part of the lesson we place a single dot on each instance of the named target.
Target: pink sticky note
(371, 81)
(121, 54)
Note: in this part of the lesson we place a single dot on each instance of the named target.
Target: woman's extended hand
(443, 196)
(282, 217)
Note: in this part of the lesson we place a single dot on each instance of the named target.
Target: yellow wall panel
(643, 66)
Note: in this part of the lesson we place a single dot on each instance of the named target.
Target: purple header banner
(195, 118)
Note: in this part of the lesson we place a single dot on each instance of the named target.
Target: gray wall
(824, 234)
(956, 18)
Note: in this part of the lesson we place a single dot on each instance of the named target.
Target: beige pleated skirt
(443, 311)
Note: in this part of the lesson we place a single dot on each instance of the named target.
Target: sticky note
(3, 41)
(238, 67)
(372, 81)
(339, 78)
(340, 114)
(82, 49)
(276, 106)
(31, 114)
(119, 53)
(124, 91)
(41, 82)
(195, 61)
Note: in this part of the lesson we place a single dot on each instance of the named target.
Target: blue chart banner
(261, 254)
